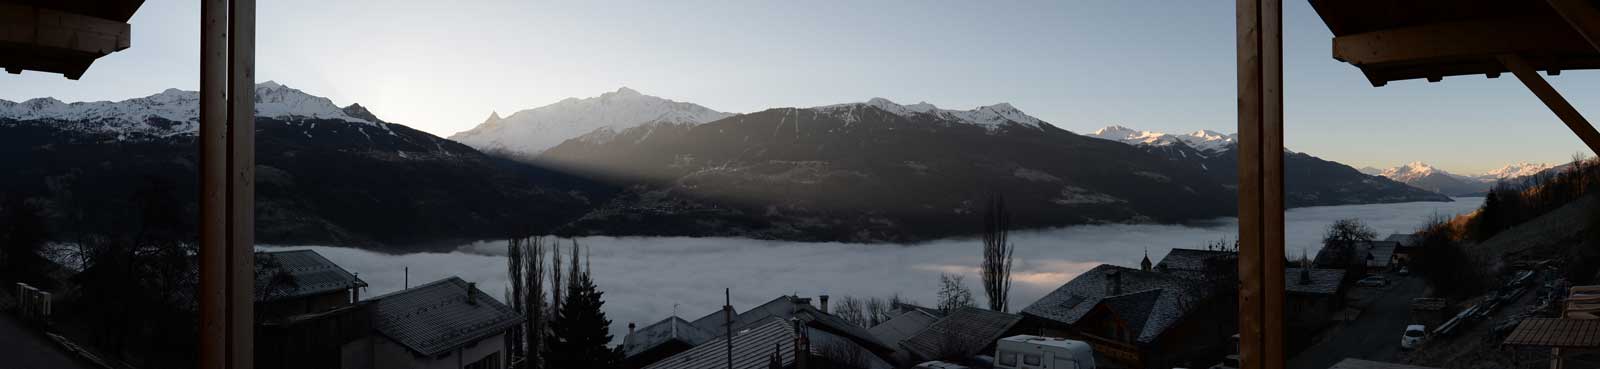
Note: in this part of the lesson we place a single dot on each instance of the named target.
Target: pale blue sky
(442, 66)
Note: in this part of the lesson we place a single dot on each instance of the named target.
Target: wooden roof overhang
(1555, 333)
(62, 36)
(1433, 39)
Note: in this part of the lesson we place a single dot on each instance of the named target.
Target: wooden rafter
(1434, 51)
(1552, 99)
(1582, 16)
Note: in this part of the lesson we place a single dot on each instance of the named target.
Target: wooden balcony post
(227, 184)
(1260, 89)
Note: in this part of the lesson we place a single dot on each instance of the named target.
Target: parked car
(1405, 270)
(1373, 281)
(1035, 352)
(1413, 337)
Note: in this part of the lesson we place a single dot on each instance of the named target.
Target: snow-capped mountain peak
(171, 111)
(1522, 169)
(531, 131)
(1413, 171)
(1203, 140)
(991, 116)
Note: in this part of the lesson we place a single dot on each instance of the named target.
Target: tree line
(566, 325)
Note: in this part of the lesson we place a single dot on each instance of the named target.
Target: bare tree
(515, 264)
(555, 277)
(997, 251)
(852, 310)
(534, 303)
(953, 293)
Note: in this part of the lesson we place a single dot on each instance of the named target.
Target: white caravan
(1035, 352)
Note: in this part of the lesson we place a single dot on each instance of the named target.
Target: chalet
(303, 282)
(1377, 256)
(658, 341)
(1135, 318)
(1406, 247)
(814, 323)
(448, 323)
(962, 334)
(1313, 296)
(308, 308)
(769, 341)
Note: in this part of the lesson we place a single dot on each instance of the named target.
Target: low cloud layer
(646, 279)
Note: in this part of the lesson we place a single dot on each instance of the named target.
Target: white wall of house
(376, 351)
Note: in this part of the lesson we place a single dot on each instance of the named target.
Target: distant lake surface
(646, 279)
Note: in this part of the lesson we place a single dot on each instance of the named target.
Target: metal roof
(437, 316)
(312, 274)
(786, 307)
(1175, 297)
(666, 330)
(1189, 262)
(903, 326)
(966, 330)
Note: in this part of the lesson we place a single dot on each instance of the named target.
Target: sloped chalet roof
(312, 273)
(901, 327)
(966, 330)
(1150, 301)
(754, 346)
(1189, 263)
(666, 330)
(436, 317)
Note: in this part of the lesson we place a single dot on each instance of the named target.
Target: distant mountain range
(325, 174)
(1308, 180)
(625, 163)
(1422, 175)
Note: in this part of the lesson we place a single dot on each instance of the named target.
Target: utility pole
(727, 321)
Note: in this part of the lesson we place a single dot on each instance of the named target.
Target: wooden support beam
(227, 177)
(1552, 99)
(42, 27)
(1261, 283)
(1582, 16)
(213, 142)
(241, 182)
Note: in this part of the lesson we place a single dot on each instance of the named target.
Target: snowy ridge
(170, 112)
(532, 131)
(1413, 171)
(991, 116)
(1206, 141)
(1511, 171)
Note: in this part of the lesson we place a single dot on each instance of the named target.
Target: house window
(487, 362)
(1030, 359)
(1008, 359)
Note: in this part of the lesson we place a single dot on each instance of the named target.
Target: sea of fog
(646, 279)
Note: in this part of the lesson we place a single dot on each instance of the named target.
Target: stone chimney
(630, 329)
(824, 301)
(472, 298)
(1113, 282)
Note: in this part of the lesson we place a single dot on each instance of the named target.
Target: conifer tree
(580, 331)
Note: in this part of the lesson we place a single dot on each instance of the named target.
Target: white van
(1035, 352)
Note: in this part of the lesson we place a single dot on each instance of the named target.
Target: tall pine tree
(580, 331)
